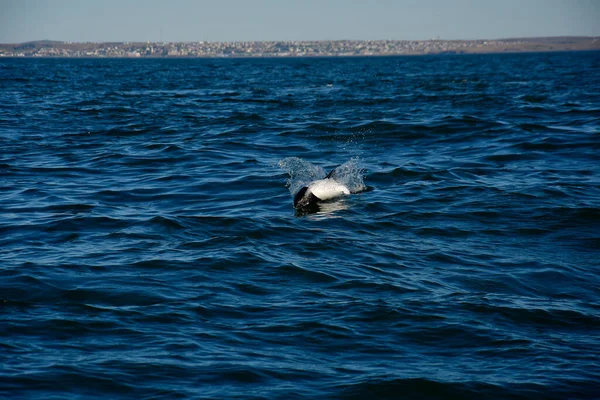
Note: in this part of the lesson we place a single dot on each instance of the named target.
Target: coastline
(295, 49)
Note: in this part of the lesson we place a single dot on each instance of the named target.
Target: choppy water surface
(149, 247)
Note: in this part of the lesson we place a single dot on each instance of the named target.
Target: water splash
(303, 172)
(351, 174)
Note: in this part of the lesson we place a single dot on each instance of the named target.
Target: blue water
(149, 247)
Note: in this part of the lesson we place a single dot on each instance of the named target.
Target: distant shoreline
(295, 49)
(270, 57)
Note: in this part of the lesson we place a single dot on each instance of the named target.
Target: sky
(249, 20)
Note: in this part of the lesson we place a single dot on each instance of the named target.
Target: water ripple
(150, 248)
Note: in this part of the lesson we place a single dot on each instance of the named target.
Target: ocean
(149, 247)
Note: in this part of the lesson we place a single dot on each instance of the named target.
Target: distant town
(328, 48)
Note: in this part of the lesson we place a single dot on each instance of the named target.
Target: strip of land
(325, 48)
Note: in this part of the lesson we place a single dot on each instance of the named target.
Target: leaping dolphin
(320, 190)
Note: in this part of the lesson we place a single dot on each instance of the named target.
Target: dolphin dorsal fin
(331, 175)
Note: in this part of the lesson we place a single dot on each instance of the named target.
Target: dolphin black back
(302, 200)
(300, 195)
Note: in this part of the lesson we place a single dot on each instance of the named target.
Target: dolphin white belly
(320, 190)
(326, 189)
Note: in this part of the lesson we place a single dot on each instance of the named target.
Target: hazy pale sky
(232, 20)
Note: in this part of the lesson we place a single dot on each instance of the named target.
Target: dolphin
(320, 190)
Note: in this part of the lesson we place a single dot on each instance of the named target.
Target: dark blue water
(149, 247)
